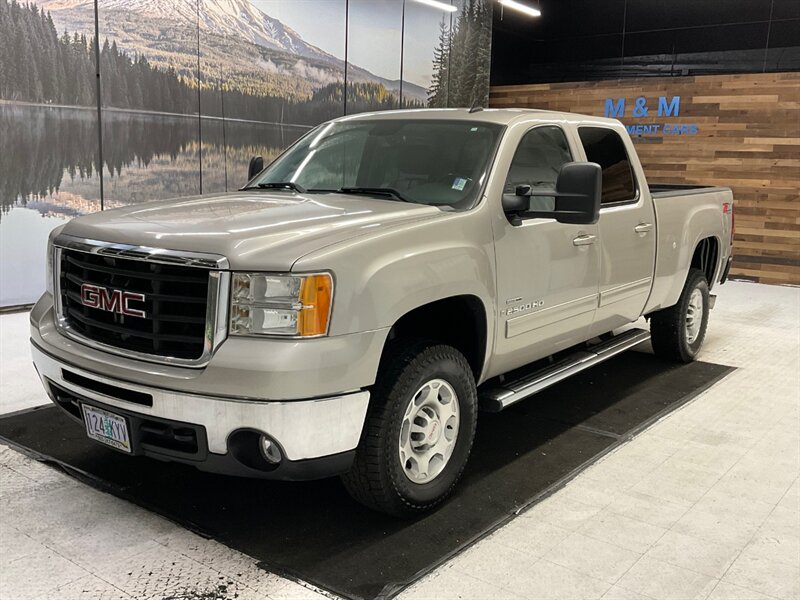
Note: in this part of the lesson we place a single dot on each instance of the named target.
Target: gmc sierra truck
(350, 310)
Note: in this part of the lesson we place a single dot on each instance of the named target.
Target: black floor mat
(313, 531)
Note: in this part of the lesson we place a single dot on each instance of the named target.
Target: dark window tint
(537, 162)
(605, 147)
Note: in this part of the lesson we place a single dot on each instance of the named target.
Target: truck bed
(668, 190)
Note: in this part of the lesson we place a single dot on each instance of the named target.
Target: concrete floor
(704, 504)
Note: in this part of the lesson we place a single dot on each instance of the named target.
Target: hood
(254, 230)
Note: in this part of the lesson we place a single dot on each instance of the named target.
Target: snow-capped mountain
(228, 16)
(162, 30)
(223, 17)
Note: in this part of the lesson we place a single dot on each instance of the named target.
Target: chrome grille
(177, 320)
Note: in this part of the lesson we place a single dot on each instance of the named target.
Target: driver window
(537, 161)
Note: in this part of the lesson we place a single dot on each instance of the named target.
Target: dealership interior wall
(740, 131)
(182, 117)
(732, 65)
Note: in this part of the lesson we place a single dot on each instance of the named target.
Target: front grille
(107, 389)
(175, 300)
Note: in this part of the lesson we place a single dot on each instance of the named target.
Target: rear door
(547, 272)
(627, 236)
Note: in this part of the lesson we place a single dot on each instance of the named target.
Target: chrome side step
(497, 397)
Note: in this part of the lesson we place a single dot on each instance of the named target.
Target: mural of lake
(244, 65)
(52, 173)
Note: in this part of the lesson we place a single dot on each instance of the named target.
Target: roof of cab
(502, 116)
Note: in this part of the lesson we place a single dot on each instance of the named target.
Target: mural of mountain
(261, 84)
(240, 44)
(238, 18)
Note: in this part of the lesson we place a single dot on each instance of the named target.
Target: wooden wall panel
(748, 139)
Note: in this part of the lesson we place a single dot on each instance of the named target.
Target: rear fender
(682, 224)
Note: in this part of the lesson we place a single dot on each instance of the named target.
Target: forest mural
(191, 89)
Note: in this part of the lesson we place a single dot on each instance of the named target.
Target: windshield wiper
(375, 191)
(279, 185)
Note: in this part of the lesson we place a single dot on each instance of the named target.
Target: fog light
(270, 450)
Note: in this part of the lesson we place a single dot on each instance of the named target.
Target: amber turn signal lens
(315, 296)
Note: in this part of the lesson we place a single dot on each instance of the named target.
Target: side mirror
(578, 191)
(256, 166)
(577, 196)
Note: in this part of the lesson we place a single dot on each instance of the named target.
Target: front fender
(382, 277)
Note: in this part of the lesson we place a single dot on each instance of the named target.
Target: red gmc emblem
(95, 296)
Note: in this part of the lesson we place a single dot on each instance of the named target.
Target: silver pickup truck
(350, 310)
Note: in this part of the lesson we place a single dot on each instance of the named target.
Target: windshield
(434, 162)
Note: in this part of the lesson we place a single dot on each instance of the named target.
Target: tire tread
(666, 325)
(369, 481)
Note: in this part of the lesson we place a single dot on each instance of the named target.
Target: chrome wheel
(694, 316)
(429, 431)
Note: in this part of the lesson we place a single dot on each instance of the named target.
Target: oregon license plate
(106, 427)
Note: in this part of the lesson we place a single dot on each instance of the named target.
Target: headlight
(290, 305)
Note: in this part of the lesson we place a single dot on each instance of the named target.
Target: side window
(605, 147)
(537, 161)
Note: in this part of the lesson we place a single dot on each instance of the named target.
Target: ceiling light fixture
(523, 8)
(439, 5)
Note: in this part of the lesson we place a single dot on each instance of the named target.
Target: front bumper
(317, 437)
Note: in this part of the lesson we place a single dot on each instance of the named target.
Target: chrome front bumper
(304, 429)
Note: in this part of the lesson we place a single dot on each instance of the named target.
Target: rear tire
(419, 430)
(678, 332)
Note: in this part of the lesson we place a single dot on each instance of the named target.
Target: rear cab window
(605, 147)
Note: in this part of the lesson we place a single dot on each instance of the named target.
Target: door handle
(643, 227)
(584, 240)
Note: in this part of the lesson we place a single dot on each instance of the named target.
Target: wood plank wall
(748, 139)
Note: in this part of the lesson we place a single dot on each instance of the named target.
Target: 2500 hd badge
(521, 308)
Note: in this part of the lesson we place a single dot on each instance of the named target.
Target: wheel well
(705, 258)
(458, 321)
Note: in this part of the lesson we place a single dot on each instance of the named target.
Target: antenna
(475, 109)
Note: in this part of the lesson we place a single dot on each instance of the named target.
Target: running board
(497, 397)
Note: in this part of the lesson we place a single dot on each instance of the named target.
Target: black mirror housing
(578, 192)
(577, 196)
(255, 167)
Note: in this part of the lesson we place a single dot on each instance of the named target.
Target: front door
(547, 272)
(627, 231)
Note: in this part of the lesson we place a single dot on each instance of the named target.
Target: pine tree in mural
(462, 57)
(440, 80)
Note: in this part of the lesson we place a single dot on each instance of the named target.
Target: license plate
(106, 427)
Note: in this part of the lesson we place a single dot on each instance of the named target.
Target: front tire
(419, 430)
(678, 332)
